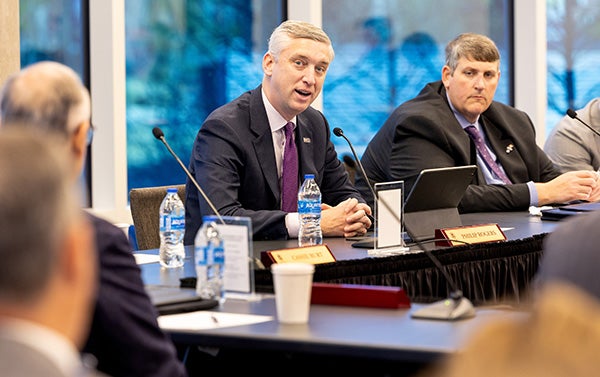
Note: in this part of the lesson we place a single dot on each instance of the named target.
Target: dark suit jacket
(424, 133)
(234, 163)
(125, 336)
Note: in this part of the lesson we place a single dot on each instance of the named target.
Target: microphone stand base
(447, 309)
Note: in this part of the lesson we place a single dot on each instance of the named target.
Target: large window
(386, 51)
(57, 30)
(185, 58)
(573, 30)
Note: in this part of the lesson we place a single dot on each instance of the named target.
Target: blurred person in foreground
(49, 98)
(433, 130)
(573, 146)
(558, 336)
(571, 254)
(48, 274)
(560, 333)
(238, 155)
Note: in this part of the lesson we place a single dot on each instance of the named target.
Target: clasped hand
(350, 218)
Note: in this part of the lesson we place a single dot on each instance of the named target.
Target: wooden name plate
(306, 254)
(469, 235)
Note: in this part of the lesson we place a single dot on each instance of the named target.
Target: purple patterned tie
(289, 175)
(483, 152)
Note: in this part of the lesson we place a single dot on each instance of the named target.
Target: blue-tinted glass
(184, 59)
(54, 30)
(386, 51)
(573, 50)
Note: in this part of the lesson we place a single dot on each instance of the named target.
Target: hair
(560, 336)
(46, 96)
(36, 209)
(289, 30)
(471, 46)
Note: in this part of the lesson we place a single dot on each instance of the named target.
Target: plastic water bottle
(172, 227)
(209, 255)
(309, 210)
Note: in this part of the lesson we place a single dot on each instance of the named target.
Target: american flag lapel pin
(306, 140)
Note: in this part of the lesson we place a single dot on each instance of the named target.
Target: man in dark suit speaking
(455, 122)
(238, 155)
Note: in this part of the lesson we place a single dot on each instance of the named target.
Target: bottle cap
(309, 176)
(172, 189)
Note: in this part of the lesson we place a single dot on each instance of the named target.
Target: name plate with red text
(306, 254)
(469, 235)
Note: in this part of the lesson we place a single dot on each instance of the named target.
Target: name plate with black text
(469, 235)
(306, 254)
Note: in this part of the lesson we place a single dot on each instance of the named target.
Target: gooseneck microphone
(157, 132)
(456, 306)
(571, 113)
(339, 133)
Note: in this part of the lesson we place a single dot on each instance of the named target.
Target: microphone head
(157, 132)
(338, 131)
(572, 113)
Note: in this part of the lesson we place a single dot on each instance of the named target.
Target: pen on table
(214, 319)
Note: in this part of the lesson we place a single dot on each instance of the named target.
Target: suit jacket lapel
(305, 144)
(263, 141)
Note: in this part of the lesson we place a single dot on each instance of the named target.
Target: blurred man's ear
(79, 143)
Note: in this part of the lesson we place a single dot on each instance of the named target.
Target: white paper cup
(292, 283)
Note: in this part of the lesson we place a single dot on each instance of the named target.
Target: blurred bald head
(49, 98)
(45, 95)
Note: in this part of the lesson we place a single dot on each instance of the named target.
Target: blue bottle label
(309, 206)
(168, 222)
(219, 255)
(204, 255)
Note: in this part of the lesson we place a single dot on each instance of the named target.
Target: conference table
(389, 341)
(487, 273)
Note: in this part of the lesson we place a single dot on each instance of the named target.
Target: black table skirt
(490, 273)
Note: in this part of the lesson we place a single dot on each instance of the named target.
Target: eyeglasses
(90, 134)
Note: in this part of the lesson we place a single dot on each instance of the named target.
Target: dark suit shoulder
(499, 112)
(430, 105)
(124, 307)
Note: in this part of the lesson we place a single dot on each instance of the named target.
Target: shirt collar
(276, 121)
(464, 123)
(47, 341)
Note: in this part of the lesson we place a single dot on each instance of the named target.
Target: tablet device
(172, 300)
(439, 188)
(432, 203)
(433, 200)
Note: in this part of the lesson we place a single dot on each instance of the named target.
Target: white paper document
(204, 319)
(141, 258)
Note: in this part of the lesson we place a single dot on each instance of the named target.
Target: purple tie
(483, 152)
(289, 175)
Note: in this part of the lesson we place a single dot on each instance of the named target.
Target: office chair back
(145, 205)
